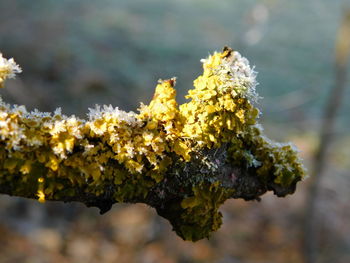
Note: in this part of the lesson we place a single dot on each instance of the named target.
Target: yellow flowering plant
(184, 161)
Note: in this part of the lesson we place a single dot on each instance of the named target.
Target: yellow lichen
(200, 215)
(220, 104)
(40, 193)
(53, 156)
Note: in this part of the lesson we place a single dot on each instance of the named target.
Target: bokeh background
(76, 53)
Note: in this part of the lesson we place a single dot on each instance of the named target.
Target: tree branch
(183, 161)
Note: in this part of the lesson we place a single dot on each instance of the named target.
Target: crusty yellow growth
(52, 156)
(163, 114)
(110, 145)
(201, 216)
(220, 105)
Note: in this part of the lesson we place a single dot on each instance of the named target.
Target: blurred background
(78, 53)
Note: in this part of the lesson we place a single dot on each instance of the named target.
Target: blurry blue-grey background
(76, 54)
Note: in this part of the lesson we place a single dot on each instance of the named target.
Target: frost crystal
(112, 113)
(8, 69)
(237, 74)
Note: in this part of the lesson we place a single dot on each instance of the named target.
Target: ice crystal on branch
(8, 69)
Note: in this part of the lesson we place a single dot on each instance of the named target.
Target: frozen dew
(8, 69)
